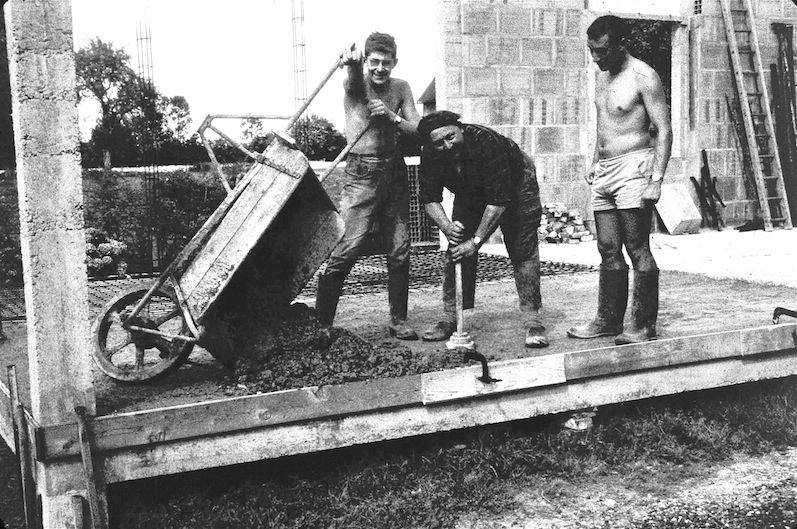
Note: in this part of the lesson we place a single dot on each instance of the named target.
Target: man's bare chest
(618, 96)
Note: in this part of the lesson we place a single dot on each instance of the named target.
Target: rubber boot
(644, 308)
(612, 300)
(398, 284)
(330, 287)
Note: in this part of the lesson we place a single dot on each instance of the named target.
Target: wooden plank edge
(510, 375)
(296, 405)
(216, 417)
(378, 425)
(6, 420)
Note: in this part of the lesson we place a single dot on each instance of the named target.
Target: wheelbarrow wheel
(133, 355)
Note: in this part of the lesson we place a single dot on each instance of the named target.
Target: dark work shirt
(492, 168)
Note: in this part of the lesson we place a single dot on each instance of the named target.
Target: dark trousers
(519, 225)
(376, 191)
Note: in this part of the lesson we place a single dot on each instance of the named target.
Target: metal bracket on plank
(781, 311)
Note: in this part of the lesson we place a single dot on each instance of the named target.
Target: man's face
(447, 139)
(379, 66)
(606, 55)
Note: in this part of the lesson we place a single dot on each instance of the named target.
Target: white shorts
(620, 181)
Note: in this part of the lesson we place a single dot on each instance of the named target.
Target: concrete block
(548, 22)
(549, 81)
(573, 22)
(571, 53)
(540, 111)
(515, 20)
(573, 111)
(476, 50)
(515, 81)
(572, 139)
(504, 111)
(454, 82)
(677, 210)
(454, 49)
(537, 51)
(476, 110)
(550, 140)
(503, 50)
(481, 81)
(546, 169)
(714, 57)
(479, 19)
(572, 168)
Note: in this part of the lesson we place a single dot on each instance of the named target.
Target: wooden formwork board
(244, 429)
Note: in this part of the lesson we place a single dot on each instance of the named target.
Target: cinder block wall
(522, 67)
(714, 130)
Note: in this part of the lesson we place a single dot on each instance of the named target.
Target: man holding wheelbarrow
(378, 107)
(494, 184)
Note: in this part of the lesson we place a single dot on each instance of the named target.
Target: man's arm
(407, 115)
(490, 219)
(454, 231)
(352, 59)
(590, 176)
(658, 110)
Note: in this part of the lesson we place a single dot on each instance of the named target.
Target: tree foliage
(651, 42)
(135, 118)
(317, 138)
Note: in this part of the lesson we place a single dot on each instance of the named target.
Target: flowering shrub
(104, 256)
(10, 261)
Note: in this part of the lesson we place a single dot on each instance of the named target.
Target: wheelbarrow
(277, 213)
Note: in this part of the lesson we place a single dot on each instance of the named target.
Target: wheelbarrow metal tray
(295, 234)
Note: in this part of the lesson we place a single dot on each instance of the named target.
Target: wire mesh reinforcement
(367, 277)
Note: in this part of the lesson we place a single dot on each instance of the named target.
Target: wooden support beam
(94, 481)
(146, 429)
(41, 62)
(22, 447)
(380, 424)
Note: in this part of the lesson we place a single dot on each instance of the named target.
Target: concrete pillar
(44, 110)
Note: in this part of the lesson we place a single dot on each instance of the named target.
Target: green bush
(104, 256)
(183, 201)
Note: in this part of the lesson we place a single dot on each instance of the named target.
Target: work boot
(330, 287)
(612, 299)
(644, 308)
(398, 284)
(535, 337)
(401, 331)
(535, 331)
(441, 332)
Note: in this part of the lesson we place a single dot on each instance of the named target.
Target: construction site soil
(295, 354)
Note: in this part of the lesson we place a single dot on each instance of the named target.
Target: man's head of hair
(435, 120)
(614, 27)
(380, 42)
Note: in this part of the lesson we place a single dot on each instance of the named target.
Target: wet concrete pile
(294, 351)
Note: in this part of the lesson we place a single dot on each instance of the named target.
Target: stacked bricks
(562, 225)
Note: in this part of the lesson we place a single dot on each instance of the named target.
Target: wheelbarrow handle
(339, 158)
(327, 77)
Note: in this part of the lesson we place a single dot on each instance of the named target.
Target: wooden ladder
(756, 116)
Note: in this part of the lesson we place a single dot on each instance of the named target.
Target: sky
(237, 57)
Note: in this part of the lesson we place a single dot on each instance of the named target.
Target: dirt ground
(615, 501)
(690, 304)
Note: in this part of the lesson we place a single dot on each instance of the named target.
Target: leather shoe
(535, 337)
(402, 331)
(440, 332)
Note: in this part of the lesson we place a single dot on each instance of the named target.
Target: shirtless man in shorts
(625, 176)
(375, 188)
